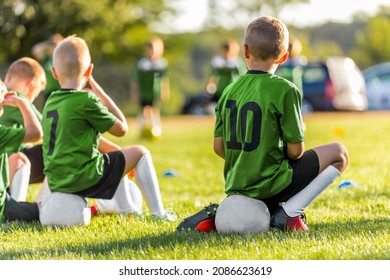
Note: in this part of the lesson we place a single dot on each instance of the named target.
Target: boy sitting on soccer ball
(259, 133)
(73, 119)
(11, 139)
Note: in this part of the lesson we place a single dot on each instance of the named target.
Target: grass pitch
(345, 224)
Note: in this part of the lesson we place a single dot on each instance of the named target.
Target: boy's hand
(11, 99)
(95, 87)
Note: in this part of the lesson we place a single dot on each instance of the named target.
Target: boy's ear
(283, 58)
(246, 51)
(53, 71)
(88, 72)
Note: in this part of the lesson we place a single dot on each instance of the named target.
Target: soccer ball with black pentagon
(241, 214)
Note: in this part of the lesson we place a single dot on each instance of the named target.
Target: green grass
(346, 224)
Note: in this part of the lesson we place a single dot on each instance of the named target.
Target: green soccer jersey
(149, 75)
(226, 71)
(257, 116)
(12, 117)
(10, 140)
(72, 123)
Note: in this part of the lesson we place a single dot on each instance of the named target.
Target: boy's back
(254, 121)
(73, 119)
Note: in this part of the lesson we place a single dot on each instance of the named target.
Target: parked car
(196, 104)
(336, 84)
(377, 79)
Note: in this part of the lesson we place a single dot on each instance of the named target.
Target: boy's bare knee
(141, 149)
(343, 156)
(17, 160)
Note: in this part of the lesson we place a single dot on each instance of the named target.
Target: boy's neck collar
(257, 72)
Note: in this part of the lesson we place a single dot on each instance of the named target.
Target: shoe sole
(203, 221)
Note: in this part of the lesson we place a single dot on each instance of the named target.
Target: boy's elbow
(33, 135)
(38, 134)
(295, 155)
(295, 150)
(123, 131)
(119, 130)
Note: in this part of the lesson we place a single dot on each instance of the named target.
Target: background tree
(373, 42)
(113, 28)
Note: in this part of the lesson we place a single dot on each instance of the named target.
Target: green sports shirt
(12, 117)
(72, 123)
(10, 141)
(149, 75)
(226, 71)
(257, 116)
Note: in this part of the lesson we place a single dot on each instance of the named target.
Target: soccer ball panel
(64, 209)
(242, 214)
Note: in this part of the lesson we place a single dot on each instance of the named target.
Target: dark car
(197, 104)
(336, 84)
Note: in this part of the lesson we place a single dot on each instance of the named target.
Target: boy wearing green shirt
(74, 117)
(26, 77)
(259, 134)
(11, 139)
(149, 85)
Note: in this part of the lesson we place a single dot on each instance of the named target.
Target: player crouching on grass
(73, 119)
(259, 134)
(10, 140)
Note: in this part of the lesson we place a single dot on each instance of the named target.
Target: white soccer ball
(64, 209)
(241, 214)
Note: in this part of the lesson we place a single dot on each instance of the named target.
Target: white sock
(121, 202)
(146, 178)
(296, 204)
(43, 192)
(19, 184)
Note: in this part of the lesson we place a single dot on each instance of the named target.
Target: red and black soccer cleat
(284, 222)
(203, 221)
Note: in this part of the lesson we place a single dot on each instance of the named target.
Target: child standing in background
(149, 86)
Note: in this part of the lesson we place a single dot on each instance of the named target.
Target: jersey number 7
(52, 114)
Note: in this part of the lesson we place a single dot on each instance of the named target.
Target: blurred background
(345, 45)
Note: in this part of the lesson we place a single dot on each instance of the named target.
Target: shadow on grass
(132, 247)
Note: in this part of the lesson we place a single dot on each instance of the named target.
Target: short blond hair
(267, 38)
(27, 69)
(71, 58)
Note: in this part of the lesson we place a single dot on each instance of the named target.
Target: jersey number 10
(254, 139)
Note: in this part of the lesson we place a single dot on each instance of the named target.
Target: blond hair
(71, 58)
(27, 69)
(156, 45)
(267, 38)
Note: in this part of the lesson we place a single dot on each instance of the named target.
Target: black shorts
(145, 103)
(114, 165)
(20, 211)
(305, 170)
(35, 157)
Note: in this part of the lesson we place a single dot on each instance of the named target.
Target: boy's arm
(295, 150)
(106, 146)
(31, 122)
(165, 91)
(218, 147)
(120, 126)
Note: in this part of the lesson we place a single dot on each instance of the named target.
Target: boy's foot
(283, 222)
(169, 216)
(203, 221)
